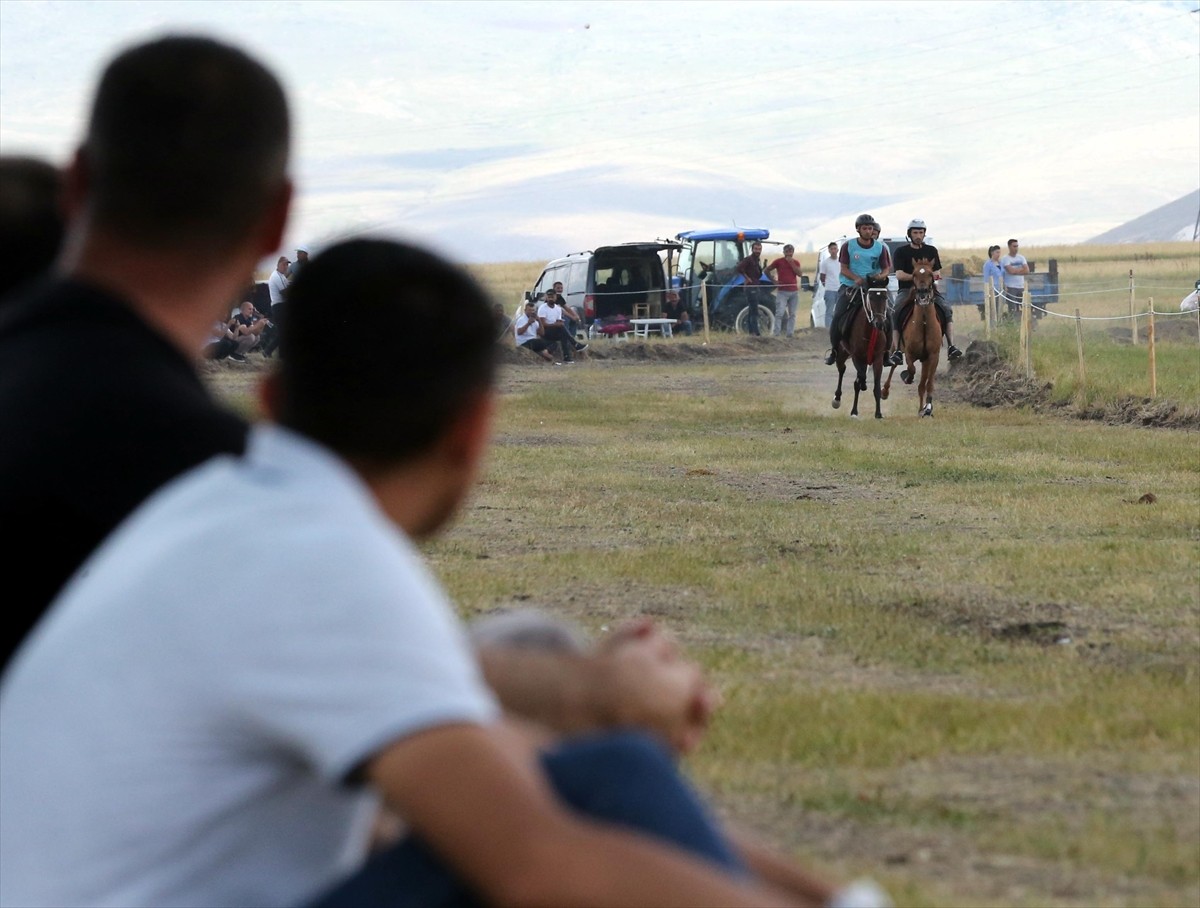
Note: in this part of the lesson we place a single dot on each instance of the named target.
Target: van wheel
(766, 321)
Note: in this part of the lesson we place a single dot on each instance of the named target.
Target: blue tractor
(709, 258)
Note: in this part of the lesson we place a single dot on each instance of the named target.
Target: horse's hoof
(907, 377)
(854, 416)
(879, 416)
(883, 395)
(837, 404)
(927, 411)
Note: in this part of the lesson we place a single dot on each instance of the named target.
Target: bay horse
(920, 336)
(865, 342)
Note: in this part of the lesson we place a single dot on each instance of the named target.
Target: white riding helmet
(914, 224)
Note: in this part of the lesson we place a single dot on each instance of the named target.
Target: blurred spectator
(31, 219)
(554, 328)
(247, 325)
(301, 261)
(1191, 302)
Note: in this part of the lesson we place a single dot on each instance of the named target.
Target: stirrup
(954, 352)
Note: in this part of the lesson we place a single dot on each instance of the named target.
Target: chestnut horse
(866, 342)
(920, 336)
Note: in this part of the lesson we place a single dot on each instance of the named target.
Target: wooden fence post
(1079, 347)
(1153, 363)
(987, 310)
(704, 308)
(1026, 333)
(1133, 332)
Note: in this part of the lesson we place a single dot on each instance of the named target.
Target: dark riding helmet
(864, 220)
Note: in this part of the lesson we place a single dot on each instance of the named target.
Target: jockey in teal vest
(862, 258)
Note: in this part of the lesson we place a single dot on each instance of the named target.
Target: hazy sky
(525, 130)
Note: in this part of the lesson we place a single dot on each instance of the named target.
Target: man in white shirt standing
(830, 272)
(1015, 268)
(277, 285)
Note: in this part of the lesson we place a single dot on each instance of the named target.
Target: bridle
(876, 318)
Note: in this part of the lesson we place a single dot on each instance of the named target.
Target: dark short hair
(379, 362)
(31, 220)
(1010, 242)
(992, 249)
(186, 145)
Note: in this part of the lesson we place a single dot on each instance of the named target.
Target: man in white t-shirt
(554, 325)
(168, 740)
(829, 279)
(1015, 268)
(527, 331)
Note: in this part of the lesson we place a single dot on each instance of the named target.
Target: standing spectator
(527, 330)
(31, 220)
(301, 261)
(859, 260)
(554, 328)
(1191, 302)
(993, 273)
(786, 272)
(277, 285)
(830, 281)
(1015, 268)
(916, 248)
(750, 268)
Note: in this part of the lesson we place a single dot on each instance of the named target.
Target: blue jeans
(625, 779)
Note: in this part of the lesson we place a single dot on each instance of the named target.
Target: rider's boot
(831, 357)
(897, 358)
(952, 350)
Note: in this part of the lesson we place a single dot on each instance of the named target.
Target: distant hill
(1173, 222)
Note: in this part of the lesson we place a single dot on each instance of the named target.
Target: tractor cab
(709, 259)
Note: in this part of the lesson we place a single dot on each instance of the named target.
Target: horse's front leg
(887, 385)
(878, 392)
(837, 395)
(860, 385)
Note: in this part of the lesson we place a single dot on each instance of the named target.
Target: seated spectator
(527, 329)
(675, 309)
(247, 325)
(242, 757)
(554, 329)
(570, 313)
(504, 324)
(221, 342)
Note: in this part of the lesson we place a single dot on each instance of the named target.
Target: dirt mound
(984, 378)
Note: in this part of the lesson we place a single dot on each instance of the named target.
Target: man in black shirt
(750, 268)
(100, 403)
(916, 249)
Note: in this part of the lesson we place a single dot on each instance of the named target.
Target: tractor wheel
(766, 321)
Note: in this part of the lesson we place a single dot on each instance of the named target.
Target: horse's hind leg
(878, 392)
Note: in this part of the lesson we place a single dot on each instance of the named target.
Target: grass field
(959, 655)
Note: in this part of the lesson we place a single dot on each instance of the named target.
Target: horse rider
(916, 249)
(861, 258)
